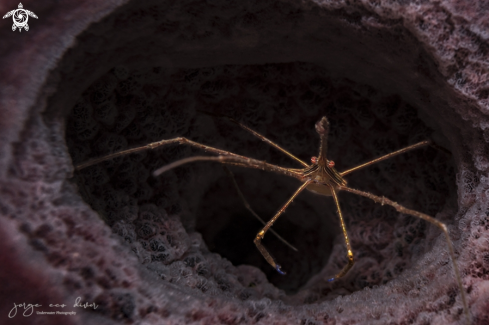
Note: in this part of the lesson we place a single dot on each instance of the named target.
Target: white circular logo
(20, 17)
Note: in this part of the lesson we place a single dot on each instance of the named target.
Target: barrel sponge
(178, 249)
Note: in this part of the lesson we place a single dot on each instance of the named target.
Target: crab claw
(279, 270)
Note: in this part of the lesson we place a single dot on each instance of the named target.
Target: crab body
(324, 178)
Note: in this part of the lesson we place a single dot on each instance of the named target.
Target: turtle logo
(20, 17)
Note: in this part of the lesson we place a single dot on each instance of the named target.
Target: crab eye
(314, 160)
(330, 163)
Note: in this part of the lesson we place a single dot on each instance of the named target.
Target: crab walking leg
(383, 200)
(157, 144)
(270, 142)
(389, 155)
(261, 233)
(232, 160)
(248, 206)
(259, 136)
(349, 252)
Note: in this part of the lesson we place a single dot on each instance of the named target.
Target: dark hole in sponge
(283, 102)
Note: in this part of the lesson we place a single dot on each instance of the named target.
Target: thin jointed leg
(259, 136)
(248, 206)
(154, 145)
(383, 200)
(270, 223)
(389, 155)
(232, 160)
(349, 252)
(270, 142)
(224, 157)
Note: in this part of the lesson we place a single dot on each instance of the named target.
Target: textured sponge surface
(282, 102)
(90, 78)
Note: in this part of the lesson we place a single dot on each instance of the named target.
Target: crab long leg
(383, 200)
(248, 206)
(232, 160)
(184, 141)
(261, 233)
(349, 251)
(389, 155)
(261, 137)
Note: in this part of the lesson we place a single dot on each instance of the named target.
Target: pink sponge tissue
(112, 244)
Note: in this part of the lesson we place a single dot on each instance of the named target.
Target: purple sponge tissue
(113, 244)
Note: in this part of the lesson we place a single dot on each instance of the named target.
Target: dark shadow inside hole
(229, 229)
(364, 124)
